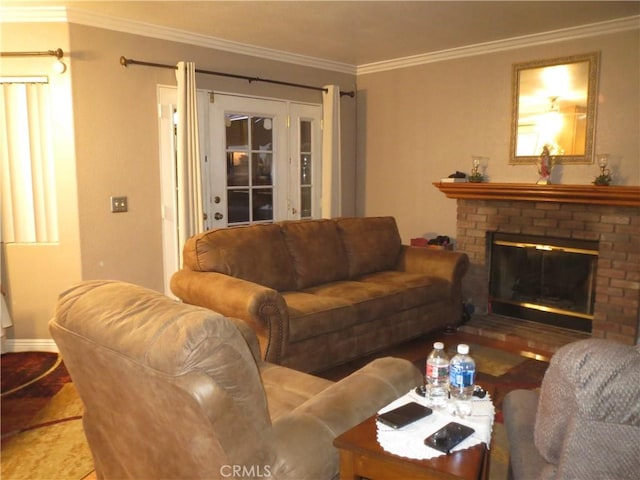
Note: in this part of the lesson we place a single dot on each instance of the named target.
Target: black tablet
(448, 437)
(404, 415)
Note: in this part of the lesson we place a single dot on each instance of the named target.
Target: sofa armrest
(445, 264)
(305, 436)
(262, 308)
(250, 337)
(519, 410)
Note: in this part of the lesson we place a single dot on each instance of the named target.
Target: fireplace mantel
(584, 194)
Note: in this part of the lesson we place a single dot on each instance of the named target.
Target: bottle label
(462, 378)
(437, 372)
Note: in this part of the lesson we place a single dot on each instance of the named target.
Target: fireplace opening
(543, 279)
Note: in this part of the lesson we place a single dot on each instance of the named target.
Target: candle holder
(605, 174)
(476, 176)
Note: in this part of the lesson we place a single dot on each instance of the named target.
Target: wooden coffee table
(362, 456)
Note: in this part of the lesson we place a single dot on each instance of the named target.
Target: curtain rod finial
(123, 61)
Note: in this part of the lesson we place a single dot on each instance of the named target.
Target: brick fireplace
(607, 215)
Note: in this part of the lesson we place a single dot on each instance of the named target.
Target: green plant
(603, 179)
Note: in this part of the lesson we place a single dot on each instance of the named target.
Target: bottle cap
(463, 349)
(438, 346)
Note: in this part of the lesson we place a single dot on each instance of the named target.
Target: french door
(260, 158)
(264, 156)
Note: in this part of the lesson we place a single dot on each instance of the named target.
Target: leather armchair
(585, 421)
(177, 391)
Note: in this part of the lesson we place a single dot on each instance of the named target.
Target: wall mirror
(554, 103)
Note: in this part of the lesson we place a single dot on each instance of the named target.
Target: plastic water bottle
(462, 376)
(437, 375)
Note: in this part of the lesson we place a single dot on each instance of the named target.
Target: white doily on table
(409, 441)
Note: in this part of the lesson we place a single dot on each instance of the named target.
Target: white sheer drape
(188, 175)
(331, 159)
(29, 211)
(5, 317)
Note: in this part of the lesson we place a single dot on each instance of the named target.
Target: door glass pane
(305, 169)
(305, 136)
(237, 169)
(261, 133)
(305, 202)
(237, 131)
(238, 201)
(263, 204)
(262, 169)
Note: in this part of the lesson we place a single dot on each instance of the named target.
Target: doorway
(261, 162)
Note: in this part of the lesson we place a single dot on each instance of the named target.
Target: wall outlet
(119, 204)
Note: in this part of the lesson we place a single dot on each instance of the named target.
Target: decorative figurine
(605, 174)
(544, 166)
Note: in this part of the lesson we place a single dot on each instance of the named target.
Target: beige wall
(419, 124)
(414, 125)
(116, 154)
(35, 274)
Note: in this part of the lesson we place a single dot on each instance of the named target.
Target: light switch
(119, 204)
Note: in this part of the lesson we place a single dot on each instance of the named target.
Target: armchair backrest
(588, 419)
(177, 382)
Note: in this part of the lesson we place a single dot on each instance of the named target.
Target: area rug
(42, 436)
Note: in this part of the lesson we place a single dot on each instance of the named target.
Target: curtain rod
(54, 53)
(129, 61)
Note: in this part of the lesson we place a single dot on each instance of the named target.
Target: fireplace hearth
(609, 216)
(544, 279)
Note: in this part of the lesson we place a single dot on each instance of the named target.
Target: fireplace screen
(549, 280)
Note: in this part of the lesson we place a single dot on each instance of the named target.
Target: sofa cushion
(372, 244)
(312, 315)
(369, 300)
(255, 253)
(578, 383)
(317, 251)
(415, 289)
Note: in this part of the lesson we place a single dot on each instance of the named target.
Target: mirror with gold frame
(554, 104)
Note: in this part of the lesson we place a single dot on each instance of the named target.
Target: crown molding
(83, 17)
(573, 33)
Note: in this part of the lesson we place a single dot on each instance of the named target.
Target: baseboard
(29, 345)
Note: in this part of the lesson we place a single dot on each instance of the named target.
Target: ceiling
(358, 32)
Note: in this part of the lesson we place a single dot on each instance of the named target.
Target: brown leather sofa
(173, 391)
(322, 292)
(584, 423)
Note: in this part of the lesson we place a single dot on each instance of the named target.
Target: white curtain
(5, 317)
(29, 211)
(190, 213)
(331, 160)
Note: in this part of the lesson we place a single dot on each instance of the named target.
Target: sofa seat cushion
(256, 253)
(415, 289)
(316, 250)
(372, 244)
(312, 315)
(369, 300)
(287, 389)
